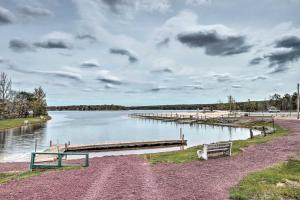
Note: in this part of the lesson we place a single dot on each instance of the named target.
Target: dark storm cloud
(65, 54)
(6, 17)
(55, 74)
(20, 45)
(282, 58)
(90, 64)
(288, 42)
(163, 43)
(110, 81)
(259, 77)
(53, 44)
(177, 88)
(124, 52)
(35, 11)
(255, 61)
(164, 70)
(236, 86)
(279, 69)
(116, 6)
(195, 87)
(86, 37)
(156, 89)
(223, 77)
(215, 44)
(287, 50)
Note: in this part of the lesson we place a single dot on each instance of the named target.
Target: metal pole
(298, 102)
(35, 145)
(180, 133)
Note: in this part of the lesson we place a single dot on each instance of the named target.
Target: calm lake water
(106, 126)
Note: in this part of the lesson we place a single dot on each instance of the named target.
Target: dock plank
(127, 145)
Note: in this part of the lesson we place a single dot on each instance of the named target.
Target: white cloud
(90, 63)
(105, 76)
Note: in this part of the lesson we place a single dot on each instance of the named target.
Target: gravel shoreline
(130, 177)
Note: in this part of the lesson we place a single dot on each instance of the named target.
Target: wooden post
(35, 145)
(59, 163)
(180, 133)
(251, 133)
(264, 131)
(86, 160)
(273, 123)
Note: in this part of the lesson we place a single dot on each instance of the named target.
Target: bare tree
(231, 102)
(5, 87)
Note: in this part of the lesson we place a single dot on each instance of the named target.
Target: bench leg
(202, 155)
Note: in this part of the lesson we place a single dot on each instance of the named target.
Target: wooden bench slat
(215, 147)
(216, 150)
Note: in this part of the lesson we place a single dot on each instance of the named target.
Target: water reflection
(20, 141)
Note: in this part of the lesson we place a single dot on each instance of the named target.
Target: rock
(280, 184)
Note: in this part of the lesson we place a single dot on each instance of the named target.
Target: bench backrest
(222, 145)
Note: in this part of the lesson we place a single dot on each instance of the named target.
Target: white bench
(222, 148)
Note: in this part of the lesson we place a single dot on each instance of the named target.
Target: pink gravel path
(130, 177)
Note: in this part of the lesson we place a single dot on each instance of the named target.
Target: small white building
(273, 109)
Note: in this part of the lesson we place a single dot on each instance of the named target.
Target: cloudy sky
(143, 52)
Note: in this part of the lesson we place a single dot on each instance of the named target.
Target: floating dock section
(126, 145)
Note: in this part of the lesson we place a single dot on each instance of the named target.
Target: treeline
(287, 102)
(173, 107)
(87, 107)
(20, 104)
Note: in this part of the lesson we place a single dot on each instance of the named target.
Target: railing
(60, 155)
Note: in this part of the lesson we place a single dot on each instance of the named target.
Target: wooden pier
(107, 147)
(126, 145)
(172, 117)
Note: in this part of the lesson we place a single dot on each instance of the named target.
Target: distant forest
(287, 102)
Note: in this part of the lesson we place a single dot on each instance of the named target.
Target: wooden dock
(109, 147)
(126, 145)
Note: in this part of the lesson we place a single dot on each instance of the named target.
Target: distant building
(273, 109)
(207, 109)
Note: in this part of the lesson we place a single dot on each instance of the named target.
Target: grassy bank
(11, 176)
(279, 182)
(13, 123)
(190, 154)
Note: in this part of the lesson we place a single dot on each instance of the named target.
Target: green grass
(239, 145)
(263, 184)
(10, 176)
(13, 123)
(182, 156)
(190, 154)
